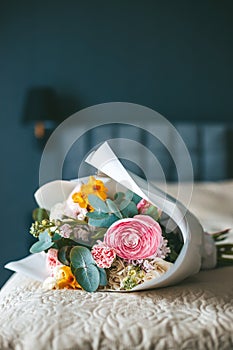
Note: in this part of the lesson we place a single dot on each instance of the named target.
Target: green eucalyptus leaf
(67, 242)
(40, 246)
(72, 268)
(100, 233)
(45, 237)
(75, 222)
(113, 208)
(40, 214)
(97, 203)
(103, 276)
(88, 277)
(128, 195)
(55, 237)
(97, 215)
(81, 257)
(118, 197)
(64, 255)
(44, 243)
(136, 198)
(153, 212)
(128, 209)
(132, 197)
(108, 221)
(124, 204)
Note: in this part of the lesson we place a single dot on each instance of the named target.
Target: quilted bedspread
(196, 314)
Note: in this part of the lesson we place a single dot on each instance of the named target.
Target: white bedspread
(196, 314)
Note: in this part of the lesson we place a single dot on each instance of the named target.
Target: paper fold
(33, 266)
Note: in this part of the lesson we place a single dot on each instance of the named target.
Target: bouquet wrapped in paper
(113, 232)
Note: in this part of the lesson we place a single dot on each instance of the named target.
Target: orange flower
(65, 279)
(79, 198)
(92, 187)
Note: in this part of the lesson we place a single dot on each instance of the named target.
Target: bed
(195, 314)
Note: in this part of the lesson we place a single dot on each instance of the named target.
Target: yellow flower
(79, 198)
(65, 279)
(92, 187)
(132, 273)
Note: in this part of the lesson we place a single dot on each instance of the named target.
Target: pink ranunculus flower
(103, 255)
(52, 261)
(134, 238)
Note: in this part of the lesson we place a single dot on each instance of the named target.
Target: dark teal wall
(173, 56)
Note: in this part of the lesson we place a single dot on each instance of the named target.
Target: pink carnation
(142, 206)
(52, 261)
(134, 238)
(103, 255)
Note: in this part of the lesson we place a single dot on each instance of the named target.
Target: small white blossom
(163, 250)
(49, 283)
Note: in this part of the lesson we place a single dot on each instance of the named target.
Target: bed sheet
(196, 314)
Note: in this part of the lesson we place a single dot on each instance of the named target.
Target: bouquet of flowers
(98, 239)
(109, 232)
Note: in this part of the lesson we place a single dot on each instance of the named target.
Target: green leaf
(40, 214)
(129, 195)
(175, 243)
(97, 203)
(64, 255)
(108, 221)
(224, 254)
(136, 198)
(75, 222)
(128, 209)
(124, 204)
(67, 242)
(103, 276)
(81, 257)
(153, 212)
(113, 208)
(100, 233)
(44, 243)
(133, 197)
(40, 246)
(55, 237)
(88, 277)
(118, 197)
(45, 237)
(97, 215)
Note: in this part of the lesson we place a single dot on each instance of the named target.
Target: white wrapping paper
(104, 159)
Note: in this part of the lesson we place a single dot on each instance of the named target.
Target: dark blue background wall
(173, 56)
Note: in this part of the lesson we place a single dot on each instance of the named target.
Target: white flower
(160, 266)
(49, 283)
(163, 250)
(68, 208)
(73, 207)
(82, 214)
(57, 212)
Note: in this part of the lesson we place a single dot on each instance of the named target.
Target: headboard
(210, 146)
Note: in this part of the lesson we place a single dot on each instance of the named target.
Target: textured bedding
(196, 314)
